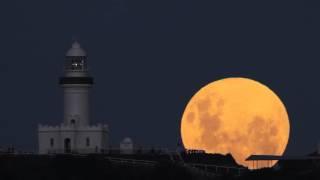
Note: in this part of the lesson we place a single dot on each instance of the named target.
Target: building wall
(44, 139)
(97, 135)
(96, 143)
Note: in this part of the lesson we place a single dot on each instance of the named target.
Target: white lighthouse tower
(76, 84)
(75, 134)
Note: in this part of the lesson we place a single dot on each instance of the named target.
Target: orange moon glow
(238, 116)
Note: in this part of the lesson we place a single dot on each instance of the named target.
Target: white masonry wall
(98, 137)
(45, 133)
(96, 141)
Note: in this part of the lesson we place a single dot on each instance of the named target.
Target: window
(76, 64)
(73, 121)
(87, 142)
(51, 142)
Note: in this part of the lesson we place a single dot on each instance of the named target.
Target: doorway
(67, 145)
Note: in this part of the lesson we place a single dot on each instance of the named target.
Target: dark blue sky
(149, 57)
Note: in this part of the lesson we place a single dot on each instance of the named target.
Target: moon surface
(238, 116)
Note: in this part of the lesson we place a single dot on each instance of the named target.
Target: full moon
(239, 116)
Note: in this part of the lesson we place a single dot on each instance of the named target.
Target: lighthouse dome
(76, 50)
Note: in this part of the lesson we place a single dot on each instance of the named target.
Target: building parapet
(64, 127)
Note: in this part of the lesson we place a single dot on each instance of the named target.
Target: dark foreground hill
(67, 167)
(101, 167)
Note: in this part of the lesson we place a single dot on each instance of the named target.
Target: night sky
(148, 58)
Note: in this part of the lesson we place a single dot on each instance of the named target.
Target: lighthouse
(75, 134)
(76, 84)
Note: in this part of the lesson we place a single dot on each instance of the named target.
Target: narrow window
(88, 142)
(51, 142)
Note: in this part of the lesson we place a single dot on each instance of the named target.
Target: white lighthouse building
(75, 134)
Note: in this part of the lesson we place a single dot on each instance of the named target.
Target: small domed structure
(127, 140)
(76, 50)
(126, 146)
